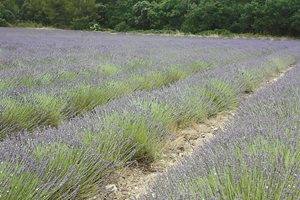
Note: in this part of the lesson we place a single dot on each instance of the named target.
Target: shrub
(220, 32)
(3, 23)
(82, 23)
(122, 27)
(96, 27)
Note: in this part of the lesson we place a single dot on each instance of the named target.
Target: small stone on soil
(111, 188)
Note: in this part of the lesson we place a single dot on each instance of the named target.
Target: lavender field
(257, 157)
(76, 106)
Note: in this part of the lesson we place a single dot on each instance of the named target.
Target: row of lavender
(46, 77)
(74, 159)
(256, 157)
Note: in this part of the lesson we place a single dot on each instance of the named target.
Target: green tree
(295, 23)
(142, 12)
(84, 13)
(9, 12)
(209, 15)
(172, 13)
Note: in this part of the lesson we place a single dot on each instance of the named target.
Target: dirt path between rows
(131, 181)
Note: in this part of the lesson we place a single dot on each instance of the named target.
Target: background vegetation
(275, 17)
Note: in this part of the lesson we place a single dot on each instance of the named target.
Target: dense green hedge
(276, 17)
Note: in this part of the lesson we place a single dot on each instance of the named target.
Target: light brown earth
(130, 182)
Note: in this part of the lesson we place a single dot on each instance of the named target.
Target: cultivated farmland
(256, 157)
(76, 107)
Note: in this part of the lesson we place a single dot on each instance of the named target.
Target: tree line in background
(276, 17)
